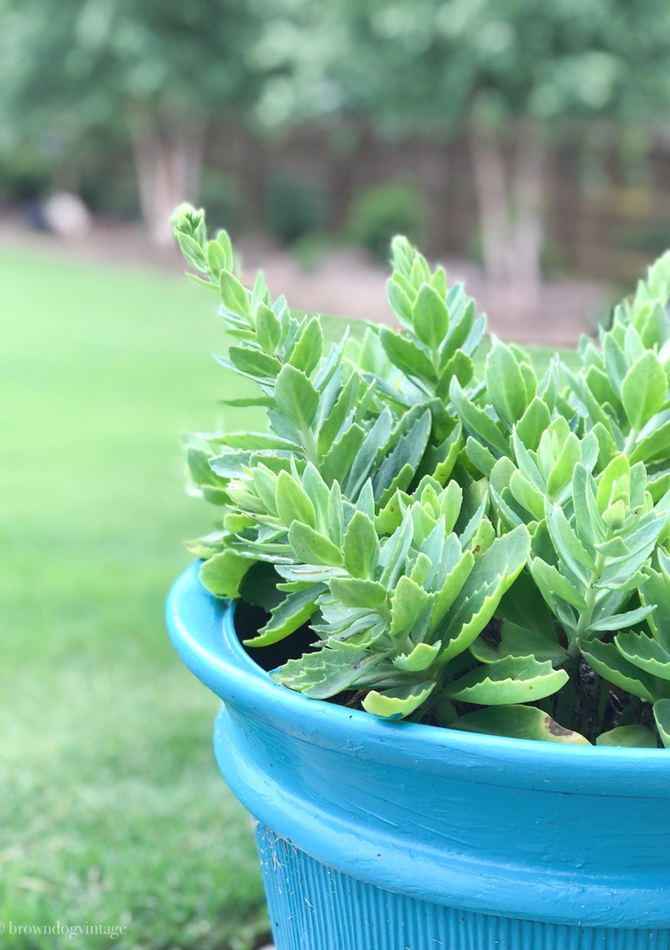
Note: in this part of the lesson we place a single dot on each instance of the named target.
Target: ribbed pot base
(313, 907)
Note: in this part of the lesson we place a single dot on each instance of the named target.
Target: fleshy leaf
(613, 667)
(311, 547)
(398, 702)
(644, 652)
(222, 574)
(419, 659)
(635, 737)
(295, 610)
(518, 722)
(510, 680)
(662, 717)
(296, 396)
(644, 389)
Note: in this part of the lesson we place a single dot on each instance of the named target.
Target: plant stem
(630, 442)
(309, 444)
(590, 598)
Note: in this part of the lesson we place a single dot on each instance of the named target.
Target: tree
(513, 75)
(158, 71)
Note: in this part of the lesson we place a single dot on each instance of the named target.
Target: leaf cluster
(484, 554)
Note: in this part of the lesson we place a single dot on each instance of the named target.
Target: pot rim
(202, 630)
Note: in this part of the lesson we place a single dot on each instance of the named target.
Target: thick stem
(590, 598)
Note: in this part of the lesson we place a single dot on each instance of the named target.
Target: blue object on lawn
(389, 836)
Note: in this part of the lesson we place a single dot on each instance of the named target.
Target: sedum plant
(467, 543)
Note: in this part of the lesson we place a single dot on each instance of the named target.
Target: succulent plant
(471, 545)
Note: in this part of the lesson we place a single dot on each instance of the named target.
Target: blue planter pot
(396, 836)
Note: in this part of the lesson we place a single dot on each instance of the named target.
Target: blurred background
(524, 144)
(527, 144)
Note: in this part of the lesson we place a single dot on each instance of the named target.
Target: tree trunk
(527, 235)
(493, 202)
(510, 214)
(168, 162)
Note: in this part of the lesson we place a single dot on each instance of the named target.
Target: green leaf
(309, 348)
(459, 366)
(253, 442)
(406, 355)
(400, 302)
(430, 317)
(606, 660)
(325, 673)
(607, 448)
(361, 546)
(618, 468)
(524, 606)
(223, 573)
(644, 389)
(636, 737)
(653, 447)
(615, 361)
(644, 652)
(224, 241)
(319, 494)
(268, 328)
(619, 621)
(408, 452)
(510, 680)
(245, 403)
(585, 503)
(568, 546)
(535, 420)
(398, 702)
(561, 474)
(340, 458)
(465, 622)
(217, 258)
(518, 722)
(479, 456)
(518, 641)
(293, 503)
(419, 659)
(662, 717)
(296, 397)
(505, 384)
(311, 547)
(439, 461)
(294, 611)
(553, 584)
(332, 424)
(259, 586)
(253, 362)
(234, 296)
(656, 590)
(353, 592)
(527, 496)
(478, 422)
(408, 603)
(192, 251)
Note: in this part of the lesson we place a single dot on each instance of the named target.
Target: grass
(113, 811)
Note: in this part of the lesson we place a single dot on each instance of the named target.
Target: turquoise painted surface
(571, 836)
(313, 907)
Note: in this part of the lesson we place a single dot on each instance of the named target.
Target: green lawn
(113, 811)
